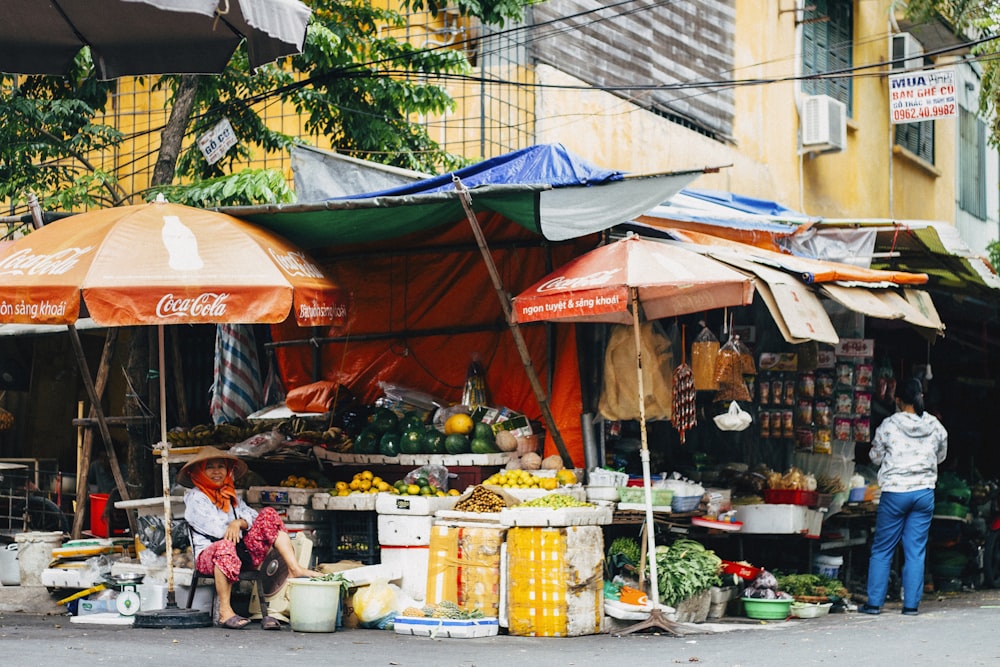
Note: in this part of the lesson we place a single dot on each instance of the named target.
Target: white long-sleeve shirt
(202, 515)
(908, 449)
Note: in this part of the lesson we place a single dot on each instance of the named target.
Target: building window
(972, 164)
(918, 138)
(828, 46)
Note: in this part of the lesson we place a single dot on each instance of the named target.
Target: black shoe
(910, 611)
(869, 609)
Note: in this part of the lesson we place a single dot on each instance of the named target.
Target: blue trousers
(902, 516)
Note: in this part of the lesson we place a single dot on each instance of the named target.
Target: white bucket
(10, 575)
(34, 553)
(828, 566)
(313, 605)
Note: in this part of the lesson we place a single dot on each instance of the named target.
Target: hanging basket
(6, 419)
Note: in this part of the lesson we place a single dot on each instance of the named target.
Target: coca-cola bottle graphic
(181, 245)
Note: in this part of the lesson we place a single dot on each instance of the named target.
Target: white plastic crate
(565, 516)
(353, 501)
(389, 503)
(771, 519)
(602, 477)
(281, 495)
(446, 627)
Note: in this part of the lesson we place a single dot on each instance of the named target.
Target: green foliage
(492, 12)
(993, 248)
(684, 569)
(354, 84)
(246, 187)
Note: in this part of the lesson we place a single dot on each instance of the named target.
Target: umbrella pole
(170, 616)
(656, 617)
(522, 348)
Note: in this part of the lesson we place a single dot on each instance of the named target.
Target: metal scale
(127, 601)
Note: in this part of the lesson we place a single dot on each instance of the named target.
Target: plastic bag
(704, 350)
(374, 604)
(475, 392)
(153, 535)
(434, 474)
(736, 419)
(258, 445)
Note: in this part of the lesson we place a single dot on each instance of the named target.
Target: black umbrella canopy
(140, 37)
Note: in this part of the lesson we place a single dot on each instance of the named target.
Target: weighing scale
(128, 601)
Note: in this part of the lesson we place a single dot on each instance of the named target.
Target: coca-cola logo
(206, 304)
(295, 264)
(43, 264)
(582, 282)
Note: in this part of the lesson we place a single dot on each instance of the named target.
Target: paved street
(960, 629)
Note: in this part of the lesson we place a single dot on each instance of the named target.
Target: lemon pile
(299, 482)
(363, 482)
(521, 479)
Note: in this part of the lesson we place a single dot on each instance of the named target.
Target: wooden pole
(98, 411)
(522, 348)
(82, 489)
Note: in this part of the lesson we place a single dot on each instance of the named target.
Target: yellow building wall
(762, 156)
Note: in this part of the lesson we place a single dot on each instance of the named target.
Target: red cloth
(258, 540)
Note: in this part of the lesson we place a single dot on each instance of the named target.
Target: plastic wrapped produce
(704, 350)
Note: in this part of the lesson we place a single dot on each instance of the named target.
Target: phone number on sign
(921, 113)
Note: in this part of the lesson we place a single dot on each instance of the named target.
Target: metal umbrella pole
(171, 616)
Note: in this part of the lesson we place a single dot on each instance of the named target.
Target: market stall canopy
(912, 246)
(162, 263)
(595, 287)
(545, 189)
(140, 37)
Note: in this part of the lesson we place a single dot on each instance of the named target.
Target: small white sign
(923, 95)
(217, 141)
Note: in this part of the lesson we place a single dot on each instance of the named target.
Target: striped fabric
(237, 391)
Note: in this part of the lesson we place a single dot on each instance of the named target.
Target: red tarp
(438, 280)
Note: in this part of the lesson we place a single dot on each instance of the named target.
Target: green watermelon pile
(389, 434)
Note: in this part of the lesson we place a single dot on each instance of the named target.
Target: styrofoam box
(300, 513)
(282, 495)
(404, 530)
(565, 516)
(154, 596)
(447, 627)
(772, 519)
(411, 562)
(576, 491)
(361, 502)
(389, 503)
(450, 517)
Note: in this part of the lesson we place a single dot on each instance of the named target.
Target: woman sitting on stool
(227, 534)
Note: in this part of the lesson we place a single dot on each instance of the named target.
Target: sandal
(235, 622)
(270, 623)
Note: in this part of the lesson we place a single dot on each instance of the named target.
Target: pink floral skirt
(259, 540)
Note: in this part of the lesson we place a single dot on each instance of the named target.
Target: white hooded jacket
(908, 449)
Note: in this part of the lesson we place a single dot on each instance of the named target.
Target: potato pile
(481, 500)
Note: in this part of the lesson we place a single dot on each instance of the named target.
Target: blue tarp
(549, 164)
(743, 203)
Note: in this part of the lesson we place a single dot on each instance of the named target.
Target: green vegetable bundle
(685, 569)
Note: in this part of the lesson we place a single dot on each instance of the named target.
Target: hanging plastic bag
(704, 350)
(736, 419)
(475, 392)
(729, 364)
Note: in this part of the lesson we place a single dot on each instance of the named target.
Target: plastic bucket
(313, 605)
(10, 575)
(828, 566)
(34, 553)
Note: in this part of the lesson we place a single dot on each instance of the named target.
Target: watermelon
(434, 441)
(366, 442)
(483, 432)
(383, 420)
(388, 445)
(456, 443)
(412, 442)
(483, 446)
(411, 421)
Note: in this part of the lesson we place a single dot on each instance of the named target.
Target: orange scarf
(223, 494)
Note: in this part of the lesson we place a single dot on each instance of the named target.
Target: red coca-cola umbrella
(621, 283)
(162, 264)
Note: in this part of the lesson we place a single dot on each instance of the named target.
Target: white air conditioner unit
(907, 52)
(824, 124)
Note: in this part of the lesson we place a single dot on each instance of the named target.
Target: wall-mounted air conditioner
(824, 124)
(907, 52)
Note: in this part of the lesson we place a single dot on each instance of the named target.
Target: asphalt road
(958, 629)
